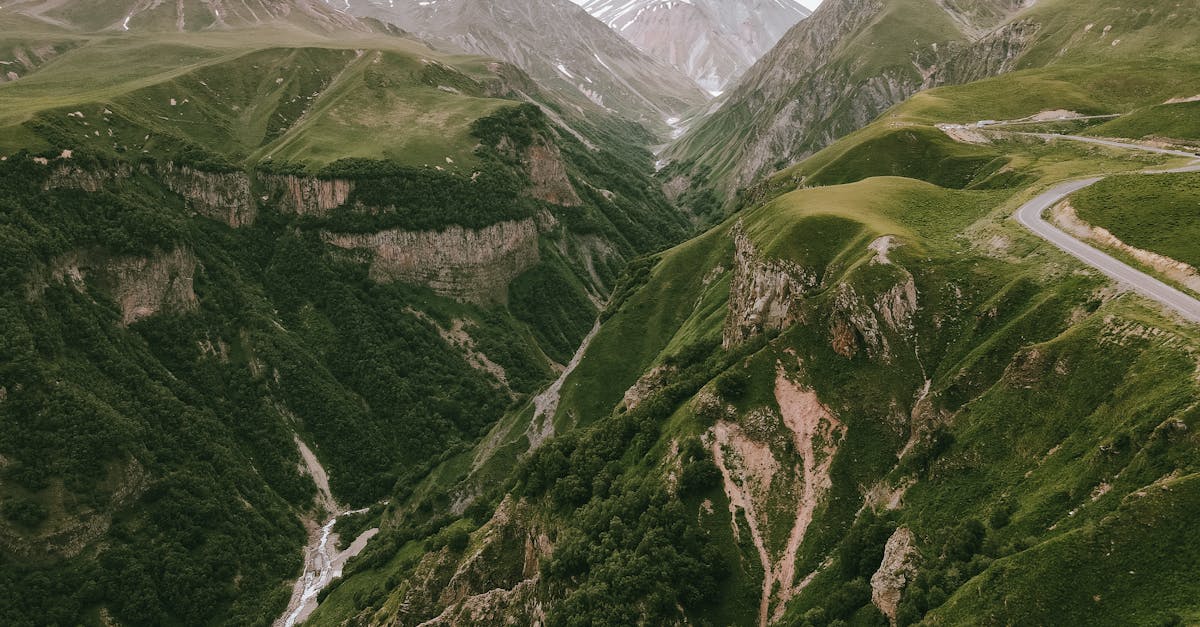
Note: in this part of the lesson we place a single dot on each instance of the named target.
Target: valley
(495, 313)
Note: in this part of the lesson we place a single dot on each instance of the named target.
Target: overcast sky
(812, 4)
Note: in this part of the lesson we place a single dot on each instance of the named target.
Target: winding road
(1030, 216)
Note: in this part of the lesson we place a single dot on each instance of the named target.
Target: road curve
(1114, 144)
(1030, 216)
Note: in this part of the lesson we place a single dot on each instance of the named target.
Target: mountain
(185, 15)
(558, 44)
(255, 278)
(345, 327)
(853, 59)
(836, 71)
(868, 397)
(712, 41)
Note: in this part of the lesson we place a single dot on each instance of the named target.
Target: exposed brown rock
(304, 195)
(897, 569)
(468, 265)
(548, 174)
(145, 286)
(223, 196)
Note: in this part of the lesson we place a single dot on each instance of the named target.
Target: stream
(322, 561)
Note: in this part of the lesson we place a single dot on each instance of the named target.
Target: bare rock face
(142, 286)
(486, 586)
(308, 196)
(898, 568)
(468, 265)
(764, 294)
(70, 176)
(548, 174)
(648, 384)
(223, 196)
(145, 286)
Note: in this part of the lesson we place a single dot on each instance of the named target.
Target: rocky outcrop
(765, 294)
(67, 175)
(142, 286)
(898, 568)
(308, 196)
(494, 583)
(145, 286)
(468, 265)
(223, 196)
(859, 321)
(548, 175)
(649, 383)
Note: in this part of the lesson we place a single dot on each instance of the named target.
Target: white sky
(812, 4)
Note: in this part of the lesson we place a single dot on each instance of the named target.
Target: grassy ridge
(1160, 214)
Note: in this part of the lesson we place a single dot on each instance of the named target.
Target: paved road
(1030, 216)
(1113, 144)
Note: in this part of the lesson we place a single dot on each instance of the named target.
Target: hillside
(877, 399)
(140, 15)
(235, 262)
(321, 324)
(714, 43)
(559, 45)
(853, 59)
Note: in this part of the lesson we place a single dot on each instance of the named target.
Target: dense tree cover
(151, 469)
(426, 199)
(630, 552)
(555, 306)
(169, 443)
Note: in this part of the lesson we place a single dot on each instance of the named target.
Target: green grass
(1178, 121)
(266, 94)
(1159, 213)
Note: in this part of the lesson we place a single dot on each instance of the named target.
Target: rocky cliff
(67, 175)
(465, 264)
(223, 196)
(308, 196)
(141, 286)
(548, 175)
(764, 294)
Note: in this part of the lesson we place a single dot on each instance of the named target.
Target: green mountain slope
(223, 248)
(867, 396)
(240, 263)
(854, 59)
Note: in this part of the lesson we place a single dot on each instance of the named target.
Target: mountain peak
(712, 41)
